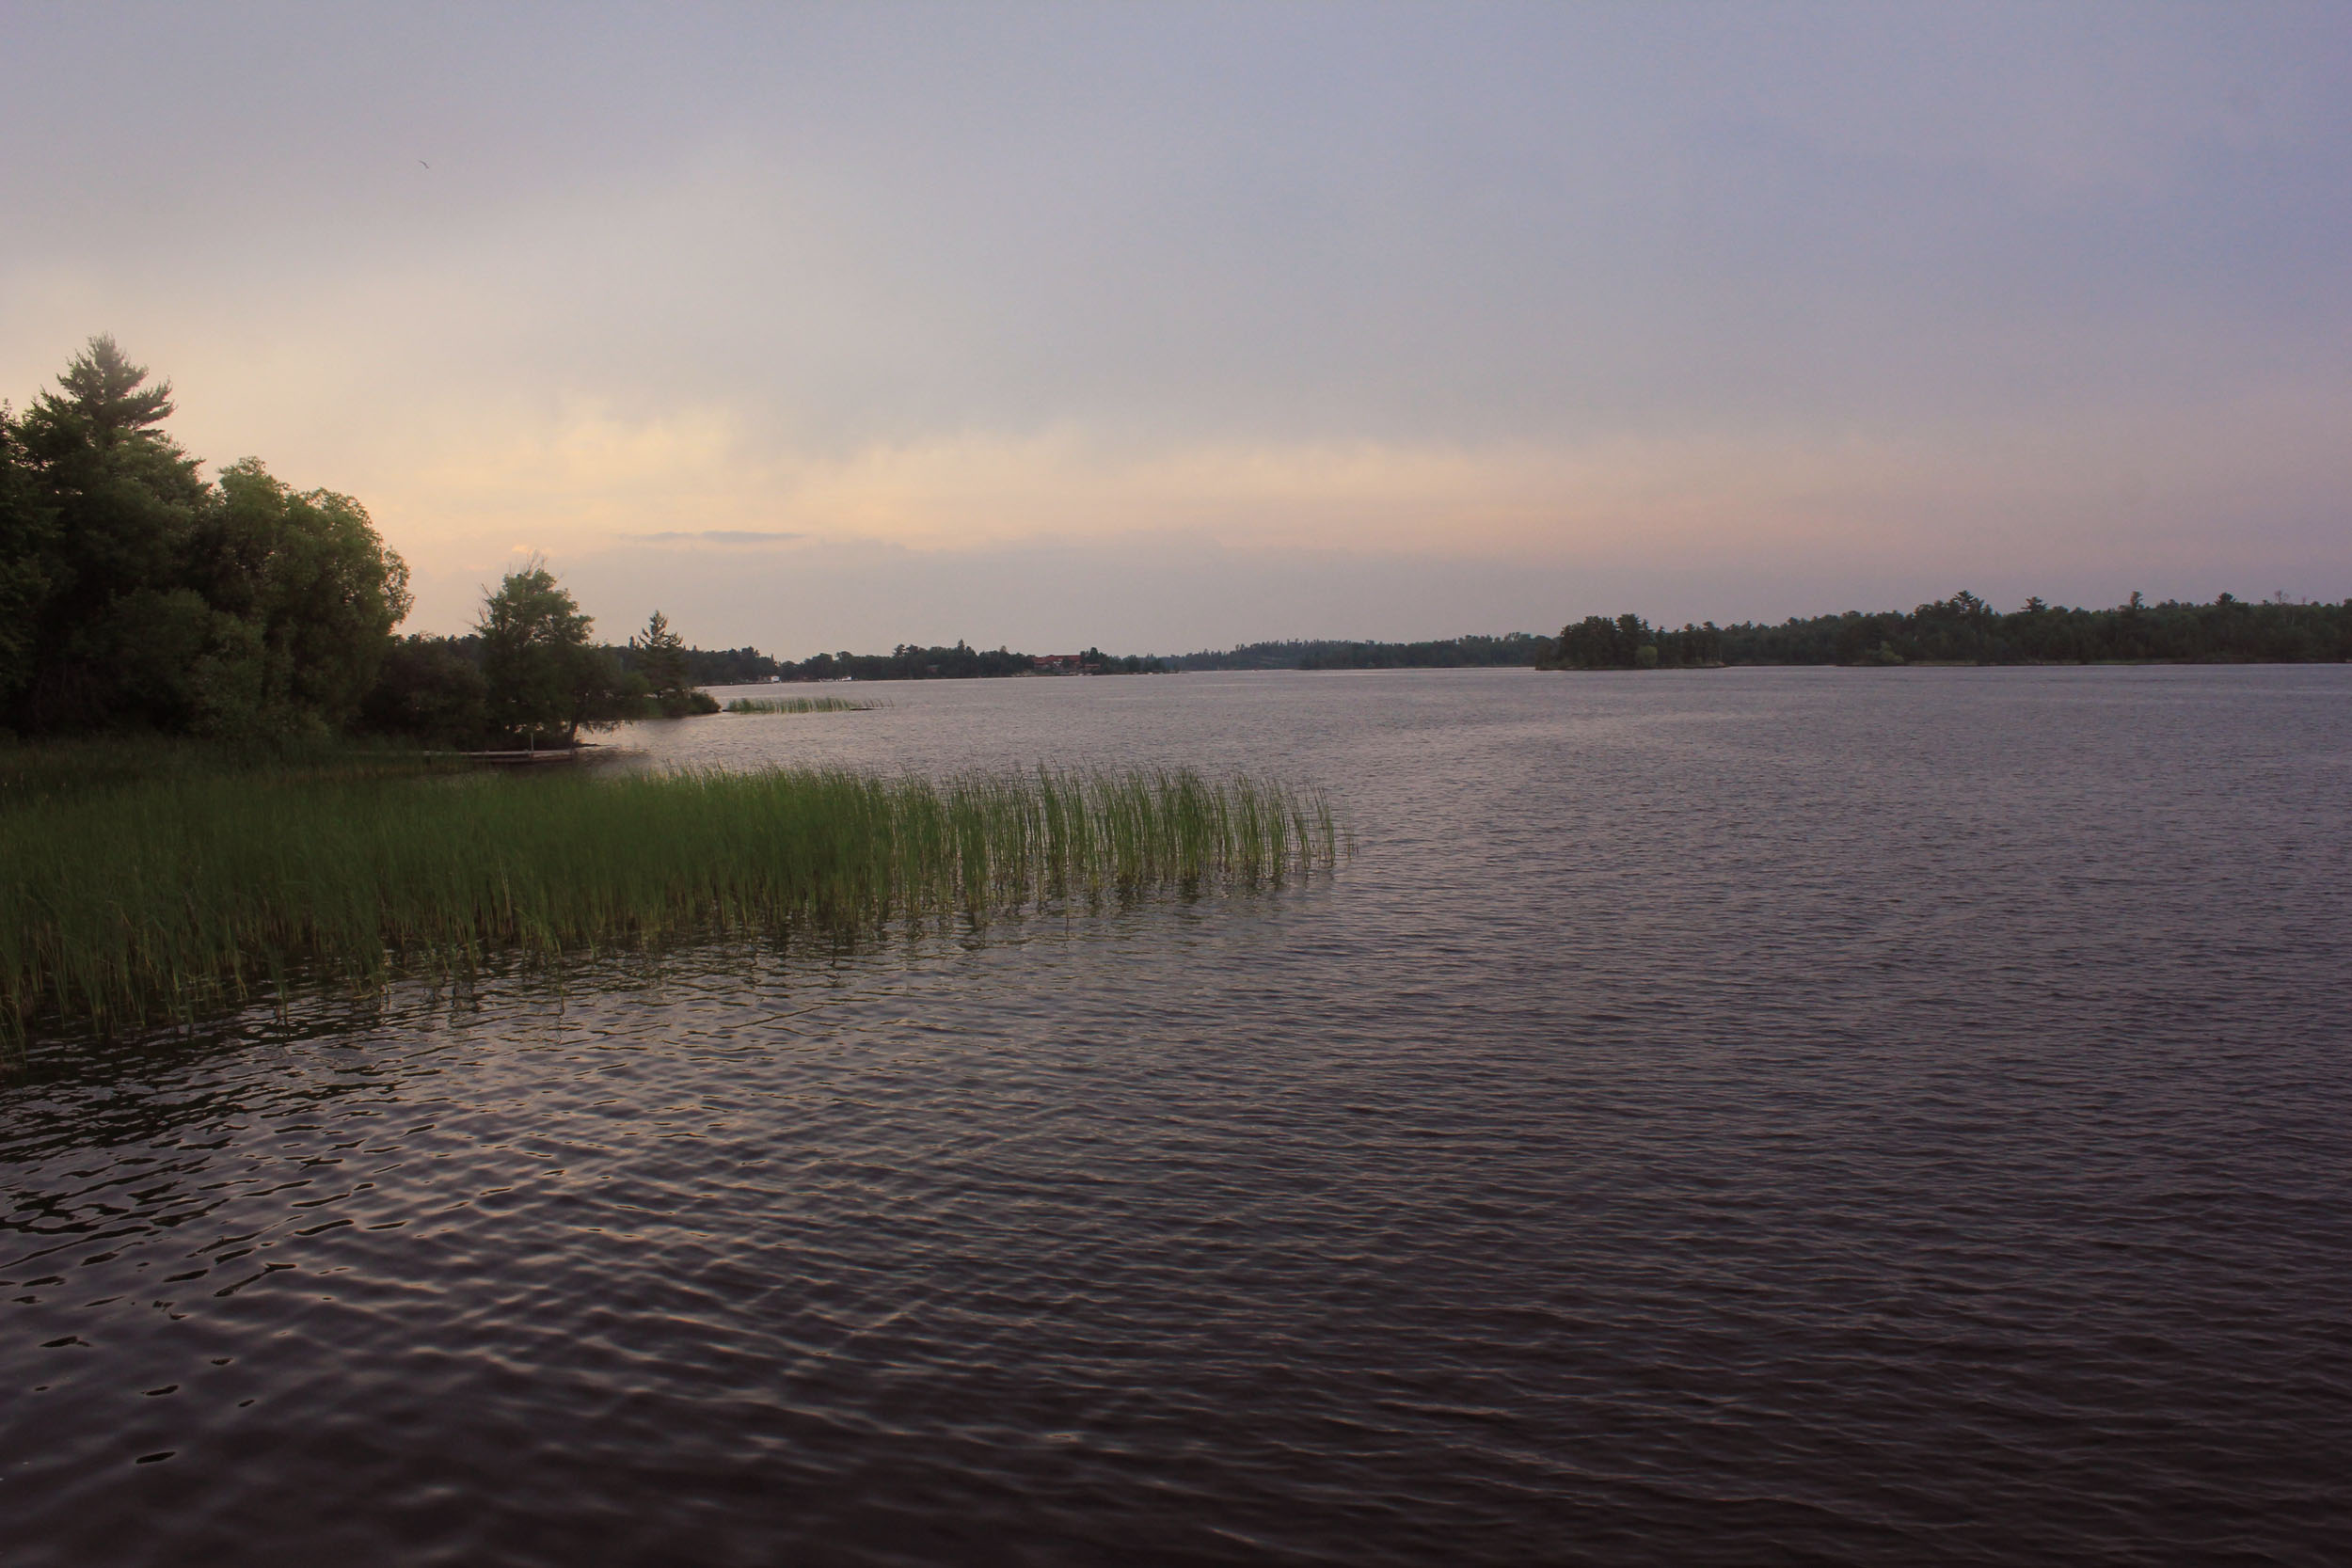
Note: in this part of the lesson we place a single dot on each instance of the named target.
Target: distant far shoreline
(1961, 630)
(1964, 630)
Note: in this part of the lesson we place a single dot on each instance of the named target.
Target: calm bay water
(1739, 1117)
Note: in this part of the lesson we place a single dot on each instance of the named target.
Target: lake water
(1736, 1117)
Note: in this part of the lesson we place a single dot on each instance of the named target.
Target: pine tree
(662, 658)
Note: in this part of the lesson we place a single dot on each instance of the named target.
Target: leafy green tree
(547, 681)
(176, 662)
(428, 691)
(312, 581)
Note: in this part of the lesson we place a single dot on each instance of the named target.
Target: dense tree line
(431, 679)
(909, 662)
(135, 593)
(1963, 629)
(1094, 661)
(1512, 648)
(442, 686)
(528, 674)
(1629, 642)
(723, 666)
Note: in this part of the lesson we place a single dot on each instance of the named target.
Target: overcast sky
(1163, 327)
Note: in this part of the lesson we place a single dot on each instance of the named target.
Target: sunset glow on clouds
(857, 325)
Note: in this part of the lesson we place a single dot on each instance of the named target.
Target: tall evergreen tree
(124, 497)
(660, 654)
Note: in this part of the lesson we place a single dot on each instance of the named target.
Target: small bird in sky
(422, 161)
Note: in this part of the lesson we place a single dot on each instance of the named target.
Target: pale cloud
(2109, 505)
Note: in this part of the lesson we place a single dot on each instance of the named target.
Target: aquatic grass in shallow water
(161, 896)
(799, 704)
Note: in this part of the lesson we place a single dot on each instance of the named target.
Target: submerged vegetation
(165, 891)
(799, 704)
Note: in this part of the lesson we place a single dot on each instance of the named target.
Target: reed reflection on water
(1732, 1117)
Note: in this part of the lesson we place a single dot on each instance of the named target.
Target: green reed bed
(799, 704)
(158, 897)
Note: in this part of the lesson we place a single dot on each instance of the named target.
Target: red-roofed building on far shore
(1058, 664)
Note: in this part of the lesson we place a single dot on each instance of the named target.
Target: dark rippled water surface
(1735, 1118)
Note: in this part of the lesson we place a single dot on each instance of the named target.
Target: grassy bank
(152, 897)
(799, 704)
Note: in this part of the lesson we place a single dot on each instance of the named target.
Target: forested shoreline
(910, 662)
(1963, 629)
(1452, 653)
(136, 596)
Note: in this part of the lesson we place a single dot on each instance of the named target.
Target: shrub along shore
(163, 892)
